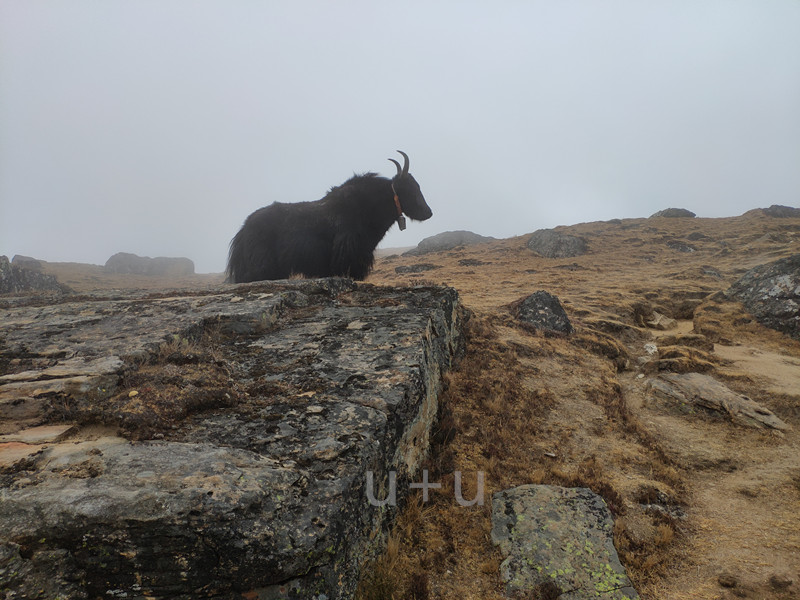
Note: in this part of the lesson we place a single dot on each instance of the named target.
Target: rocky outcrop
(782, 212)
(557, 543)
(674, 213)
(15, 279)
(688, 391)
(124, 263)
(552, 244)
(771, 293)
(27, 262)
(447, 241)
(543, 311)
(222, 441)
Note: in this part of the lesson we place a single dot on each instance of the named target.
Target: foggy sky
(156, 127)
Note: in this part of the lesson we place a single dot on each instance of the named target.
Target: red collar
(397, 205)
(401, 220)
(397, 202)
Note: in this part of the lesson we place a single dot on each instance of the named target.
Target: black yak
(334, 236)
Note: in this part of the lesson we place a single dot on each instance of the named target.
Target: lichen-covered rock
(552, 244)
(125, 263)
(447, 241)
(543, 311)
(674, 213)
(771, 293)
(246, 421)
(557, 543)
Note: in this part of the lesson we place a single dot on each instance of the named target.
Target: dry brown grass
(183, 375)
(496, 418)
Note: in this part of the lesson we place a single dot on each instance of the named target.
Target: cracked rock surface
(216, 443)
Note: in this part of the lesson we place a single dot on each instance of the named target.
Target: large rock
(27, 262)
(447, 241)
(674, 213)
(543, 311)
(130, 264)
(553, 244)
(15, 279)
(771, 293)
(687, 391)
(557, 543)
(245, 425)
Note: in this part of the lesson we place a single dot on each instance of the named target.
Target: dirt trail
(743, 504)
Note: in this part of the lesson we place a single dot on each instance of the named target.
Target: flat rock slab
(687, 390)
(38, 435)
(250, 417)
(557, 543)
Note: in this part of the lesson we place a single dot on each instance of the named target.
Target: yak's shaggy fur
(334, 236)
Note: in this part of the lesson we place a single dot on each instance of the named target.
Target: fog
(156, 127)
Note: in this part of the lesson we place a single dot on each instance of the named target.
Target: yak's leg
(349, 258)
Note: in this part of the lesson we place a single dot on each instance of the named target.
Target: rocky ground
(706, 506)
(703, 485)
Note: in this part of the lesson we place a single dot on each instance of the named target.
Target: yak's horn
(405, 164)
(397, 164)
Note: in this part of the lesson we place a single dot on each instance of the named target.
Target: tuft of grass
(381, 579)
(665, 533)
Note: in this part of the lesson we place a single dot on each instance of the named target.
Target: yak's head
(408, 196)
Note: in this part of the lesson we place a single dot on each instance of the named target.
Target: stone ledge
(256, 490)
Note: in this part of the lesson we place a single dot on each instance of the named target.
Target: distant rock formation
(673, 213)
(26, 262)
(15, 279)
(781, 212)
(543, 311)
(552, 244)
(124, 263)
(447, 241)
(771, 293)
